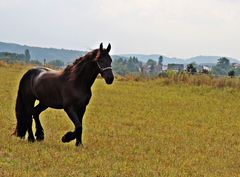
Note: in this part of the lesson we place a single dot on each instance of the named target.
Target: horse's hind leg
(29, 109)
(39, 129)
(30, 132)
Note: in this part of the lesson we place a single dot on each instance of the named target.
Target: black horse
(69, 89)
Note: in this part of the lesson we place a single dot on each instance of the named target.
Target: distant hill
(41, 53)
(68, 56)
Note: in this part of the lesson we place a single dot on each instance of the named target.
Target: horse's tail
(24, 104)
(21, 127)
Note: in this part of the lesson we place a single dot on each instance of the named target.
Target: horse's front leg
(81, 112)
(76, 116)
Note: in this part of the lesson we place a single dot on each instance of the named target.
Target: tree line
(26, 58)
(123, 66)
(132, 65)
(222, 68)
(12, 57)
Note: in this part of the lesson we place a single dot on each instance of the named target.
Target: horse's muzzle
(109, 80)
(108, 76)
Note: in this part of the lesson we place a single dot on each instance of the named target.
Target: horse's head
(103, 62)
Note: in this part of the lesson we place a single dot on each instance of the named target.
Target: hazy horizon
(173, 28)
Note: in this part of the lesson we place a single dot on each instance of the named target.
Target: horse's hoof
(40, 138)
(39, 135)
(64, 139)
(69, 136)
(31, 140)
(22, 137)
(79, 144)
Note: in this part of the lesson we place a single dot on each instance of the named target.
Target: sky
(176, 28)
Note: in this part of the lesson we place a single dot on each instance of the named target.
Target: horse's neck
(87, 77)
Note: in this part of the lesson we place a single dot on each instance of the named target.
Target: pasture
(130, 128)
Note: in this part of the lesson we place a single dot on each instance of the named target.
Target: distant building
(236, 65)
(176, 67)
(164, 67)
(152, 68)
(200, 68)
(207, 68)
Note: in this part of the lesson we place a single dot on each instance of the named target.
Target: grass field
(131, 128)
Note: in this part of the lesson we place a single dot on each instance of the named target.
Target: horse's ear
(108, 47)
(101, 47)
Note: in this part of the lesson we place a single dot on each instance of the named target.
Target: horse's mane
(73, 70)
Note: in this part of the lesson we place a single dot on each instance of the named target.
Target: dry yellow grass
(188, 79)
(203, 79)
(3, 64)
(130, 129)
